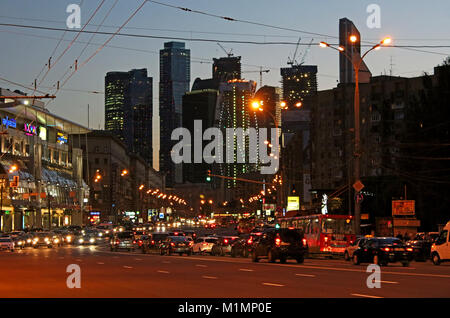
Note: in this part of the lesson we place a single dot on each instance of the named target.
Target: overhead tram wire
(73, 66)
(79, 32)
(208, 40)
(103, 45)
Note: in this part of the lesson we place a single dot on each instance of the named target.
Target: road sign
(403, 207)
(358, 186)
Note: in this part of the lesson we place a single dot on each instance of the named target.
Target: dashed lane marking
(209, 277)
(305, 275)
(366, 296)
(273, 284)
(163, 272)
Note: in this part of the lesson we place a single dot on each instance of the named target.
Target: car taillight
(326, 239)
(225, 241)
(277, 241)
(191, 243)
(249, 242)
(173, 244)
(117, 242)
(304, 242)
(409, 249)
(153, 242)
(386, 249)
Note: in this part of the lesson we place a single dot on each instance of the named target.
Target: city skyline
(123, 54)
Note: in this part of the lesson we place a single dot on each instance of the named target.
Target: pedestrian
(406, 237)
(400, 236)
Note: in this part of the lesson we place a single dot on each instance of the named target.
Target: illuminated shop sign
(30, 129)
(43, 133)
(61, 138)
(9, 122)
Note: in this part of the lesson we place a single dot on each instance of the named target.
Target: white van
(440, 250)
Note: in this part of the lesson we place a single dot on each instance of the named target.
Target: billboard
(293, 204)
(403, 207)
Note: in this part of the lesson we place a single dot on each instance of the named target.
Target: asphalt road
(42, 273)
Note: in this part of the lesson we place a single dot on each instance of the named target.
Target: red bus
(329, 234)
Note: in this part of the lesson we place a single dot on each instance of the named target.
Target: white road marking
(367, 296)
(166, 262)
(100, 263)
(305, 275)
(245, 270)
(272, 284)
(127, 267)
(138, 259)
(209, 277)
(386, 282)
(200, 265)
(163, 272)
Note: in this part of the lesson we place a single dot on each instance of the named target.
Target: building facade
(42, 183)
(129, 110)
(299, 83)
(175, 70)
(227, 68)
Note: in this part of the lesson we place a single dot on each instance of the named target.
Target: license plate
(285, 244)
(399, 249)
(182, 244)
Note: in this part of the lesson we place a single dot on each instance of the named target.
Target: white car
(440, 250)
(6, 243)
(204, 244)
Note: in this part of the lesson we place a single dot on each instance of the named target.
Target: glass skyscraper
(175, 74)
(129, 110)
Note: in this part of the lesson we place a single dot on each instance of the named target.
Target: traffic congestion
(277, 242)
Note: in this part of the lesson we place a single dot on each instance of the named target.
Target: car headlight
(69, 238)
(29, 241)
(56, 240)
(92, 240)
(100, 234)
(46, 239)
(20, 242)
(81, 240)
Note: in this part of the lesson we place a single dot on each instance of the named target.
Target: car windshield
(159, 237)
(290, 236)
(178, 238)
(389, 241)
(5, 240)
(211, 240)
(125, 235)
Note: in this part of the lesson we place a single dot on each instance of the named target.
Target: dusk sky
(25, 51)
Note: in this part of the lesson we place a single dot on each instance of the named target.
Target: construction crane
(292, 61)
(261, 71)
(306, 52)
(229, 54)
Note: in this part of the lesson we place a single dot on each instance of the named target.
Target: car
(349, 250)
(42, 239)
(177, 232)
(204, 244)
(123, 240)
(153, 241)
(223, 245)
(280, 244)
(420, 247)
(382, 251)
(176, 244)
(242, 247)
(190, 233)
(138, 234)
(105, 228)
(440, 250)
(87, 239)
(7, 243)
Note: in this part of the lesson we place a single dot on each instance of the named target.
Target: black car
(381, 251)
(420, 248)
(153, 241)
(176, 244)
(242, 247)
(280, 244)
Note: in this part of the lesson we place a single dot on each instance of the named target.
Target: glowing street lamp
(356, 67)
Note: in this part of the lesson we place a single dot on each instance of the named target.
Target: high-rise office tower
(198, 105)
(299, 85)
(129, 110)
(235, 111)
(227, 68)
(175, 70)
(353, 49)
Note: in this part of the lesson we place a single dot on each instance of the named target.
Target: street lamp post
(357, 151)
